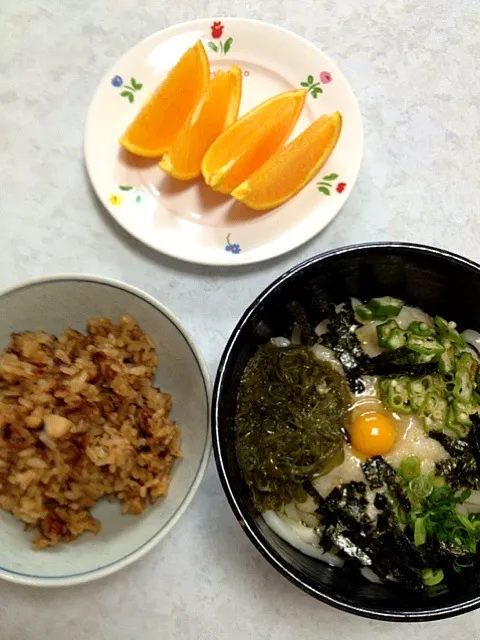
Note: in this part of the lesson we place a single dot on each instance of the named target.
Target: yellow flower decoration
(116, 199)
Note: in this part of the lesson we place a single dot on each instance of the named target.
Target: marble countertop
(413, 67)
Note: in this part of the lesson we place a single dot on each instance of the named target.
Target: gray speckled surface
(414, 69)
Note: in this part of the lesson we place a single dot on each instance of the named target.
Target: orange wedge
(289, 170)
(166, 110)
(245, 146)
(217, 110)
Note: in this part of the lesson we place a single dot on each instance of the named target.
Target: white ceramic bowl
(53, 304)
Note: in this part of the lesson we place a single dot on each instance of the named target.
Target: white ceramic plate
(188, 220)
(55, 304)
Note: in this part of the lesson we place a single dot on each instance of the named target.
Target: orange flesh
(217, 110)
(251, 141)
(166, 110)
(289, 170)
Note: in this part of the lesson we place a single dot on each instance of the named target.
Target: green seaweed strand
(290, 423)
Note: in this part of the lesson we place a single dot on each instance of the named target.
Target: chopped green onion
(384, 386)
(424, 345)
(461, 413)
(431, 578)
(467, 361)
(460, 431)
(421, 487)
(397, 395)
(384, 330)
(417, 390)
(449, 379)
(386, 306)
(463, 385)
(378, 309)
(446, 360)
(467, 523)
(441, 495)
(363, 313)
(397, 339)
(420, 328)
(438, 384)
(410, 467)
(390, 336)
(434, 411)
(419, 358)
(419, 532)
(437, 481)
(464, 495)
(448, 330)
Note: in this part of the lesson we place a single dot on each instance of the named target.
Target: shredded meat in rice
(80, 420)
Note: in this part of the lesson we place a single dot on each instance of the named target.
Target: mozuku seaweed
(290, 423)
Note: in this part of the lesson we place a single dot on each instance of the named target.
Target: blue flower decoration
(232, 247)
(117, 81)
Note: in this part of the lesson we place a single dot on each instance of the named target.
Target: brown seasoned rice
(80, 420)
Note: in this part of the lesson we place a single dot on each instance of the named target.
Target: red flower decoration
(325, 77)
(341, 187)
(217, 29)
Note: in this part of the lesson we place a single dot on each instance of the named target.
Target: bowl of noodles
(346, 429)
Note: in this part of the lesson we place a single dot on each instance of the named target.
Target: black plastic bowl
(434, 280)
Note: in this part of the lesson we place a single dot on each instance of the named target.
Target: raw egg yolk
(373, 434)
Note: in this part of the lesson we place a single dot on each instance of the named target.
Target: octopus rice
(81, 420)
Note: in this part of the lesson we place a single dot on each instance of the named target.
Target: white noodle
(471, 508)
(287, 533)
(303, 512)
(280, 342)
(472, 337)
(309, 506)
(473, 352)
(472, 504)
(370, 575)
(322, 327)
(367, 336)
(291, 512)
(326, 355)
(474, 498)
(306, 534)
(408, 314)
(310, 519)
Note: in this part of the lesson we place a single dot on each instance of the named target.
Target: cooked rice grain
(80, 420)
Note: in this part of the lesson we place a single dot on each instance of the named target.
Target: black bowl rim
(271, 556)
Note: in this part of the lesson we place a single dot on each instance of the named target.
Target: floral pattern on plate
(129, 90)
(129, 192)
(326, 184)
(187, 221)
(232, 247)
(313, 86)
(216, 44)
